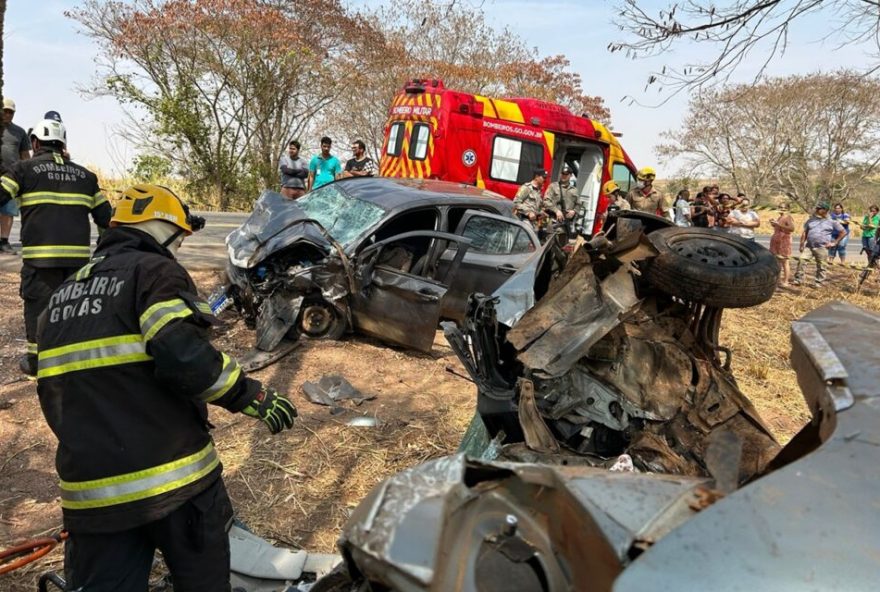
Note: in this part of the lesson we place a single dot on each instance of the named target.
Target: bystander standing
(293, 171)
(360, 165)
(701, 210)
(723, 208)
(843, 217)
(817, 236)
(869, 225)
(681, 208)
(780, 242)
(324, 167)
(16, 146)
(743, 220)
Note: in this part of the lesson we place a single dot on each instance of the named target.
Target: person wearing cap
(616, 197)
(562, 196)
(645, 198)
(57, 198)
(15, 147)
(126, 374)
(817, 236)
(528, 202)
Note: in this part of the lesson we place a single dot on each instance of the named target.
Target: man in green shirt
(323, 168)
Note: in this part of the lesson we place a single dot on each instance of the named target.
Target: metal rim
(317, 319)
(717, 251)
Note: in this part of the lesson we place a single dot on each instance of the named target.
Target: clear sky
(46, 61)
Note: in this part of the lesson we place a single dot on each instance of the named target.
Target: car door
(499, 246)
(399, 298)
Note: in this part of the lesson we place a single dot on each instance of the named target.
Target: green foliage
(150, 168)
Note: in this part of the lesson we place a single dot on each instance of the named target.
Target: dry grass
(760, 338)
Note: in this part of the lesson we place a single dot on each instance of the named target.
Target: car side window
(496, 237)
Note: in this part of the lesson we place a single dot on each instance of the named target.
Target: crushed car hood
(275, 223)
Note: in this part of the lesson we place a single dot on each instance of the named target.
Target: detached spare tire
(711, 267)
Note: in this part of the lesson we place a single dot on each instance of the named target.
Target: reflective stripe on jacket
(56, 198)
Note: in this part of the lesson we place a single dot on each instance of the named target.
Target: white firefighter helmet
(49, 130)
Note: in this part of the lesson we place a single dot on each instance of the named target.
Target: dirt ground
(298, 488)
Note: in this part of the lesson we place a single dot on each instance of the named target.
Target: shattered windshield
(276, 222)
(344, 217)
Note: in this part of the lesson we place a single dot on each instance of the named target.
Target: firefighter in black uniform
(126, 371)
(56, 198)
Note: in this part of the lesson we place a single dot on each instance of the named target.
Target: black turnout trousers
(193, 539)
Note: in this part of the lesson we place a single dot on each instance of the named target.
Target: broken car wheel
(318, 319)
(710, 267)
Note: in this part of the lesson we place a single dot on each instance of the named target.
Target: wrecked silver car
(622, 454)
(387, 257)
(615, 351)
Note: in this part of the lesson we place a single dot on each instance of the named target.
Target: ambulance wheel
(711, 267)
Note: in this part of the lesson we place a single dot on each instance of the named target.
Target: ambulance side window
(395, 138)
(623, 176)
(515, 161)
(418, 146)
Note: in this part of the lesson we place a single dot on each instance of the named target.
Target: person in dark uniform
(126, 372)
(57, 197)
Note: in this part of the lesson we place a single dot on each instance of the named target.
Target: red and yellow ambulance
(439, 133)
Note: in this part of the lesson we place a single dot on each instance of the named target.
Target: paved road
(203, 250)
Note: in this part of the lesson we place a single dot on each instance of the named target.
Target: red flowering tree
(219, 86)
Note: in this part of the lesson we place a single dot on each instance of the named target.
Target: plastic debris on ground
(330, 389)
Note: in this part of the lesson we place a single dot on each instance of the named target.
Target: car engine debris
(606, 364)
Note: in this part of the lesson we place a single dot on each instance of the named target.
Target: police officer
(645, 198)
(563, 196)
(528, 202)
(126, 371)
(57, 196)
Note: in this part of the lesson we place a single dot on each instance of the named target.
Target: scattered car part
(258, 566)
(256, 359)
(363, 421)
(330, 389)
